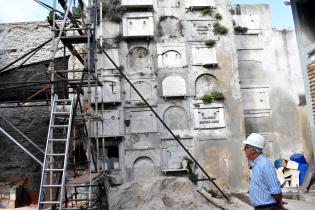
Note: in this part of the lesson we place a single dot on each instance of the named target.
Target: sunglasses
(247, 147)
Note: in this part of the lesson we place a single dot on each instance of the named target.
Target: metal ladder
(52, 186)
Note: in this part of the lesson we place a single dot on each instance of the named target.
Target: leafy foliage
(214, 96)
(210, 42)
(240, 30)
(50, 16)
(218, 16)
(207, 11)
(219, 29)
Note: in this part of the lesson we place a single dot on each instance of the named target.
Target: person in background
(264, 189)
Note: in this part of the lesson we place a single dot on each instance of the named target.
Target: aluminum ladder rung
(57, 139)
(61, 113)
(50, 202)
(63, 100)
(52, 185)
(59, 126)
(56, 154)
(53, 169)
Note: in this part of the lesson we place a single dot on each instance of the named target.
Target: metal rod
(48, 7)
(22, 134)
(17, 143)
(35, 94)
(159, 118)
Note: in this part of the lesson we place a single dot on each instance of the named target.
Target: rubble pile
(158, 193)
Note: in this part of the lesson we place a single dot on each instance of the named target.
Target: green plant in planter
(210, 43)
(214, 96)
(219, 29)
(207, 11)
(140, 103)
(217, 96)
(218, 16)
(206, 98)
(240, 30)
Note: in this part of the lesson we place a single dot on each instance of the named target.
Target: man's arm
(278, 198)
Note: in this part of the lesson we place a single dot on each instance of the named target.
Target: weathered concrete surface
(271, 83)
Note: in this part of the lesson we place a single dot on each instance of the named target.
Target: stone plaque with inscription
(209, 117)
(201, 30)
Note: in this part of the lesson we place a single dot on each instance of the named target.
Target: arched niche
(143, 168)
(173, 86)
(176, 118)
(144, 88)
(172, 58)
(205, 83)
(170, 26)
(138, 59)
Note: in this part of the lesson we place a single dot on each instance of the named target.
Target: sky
(280, 13)
(29, 10)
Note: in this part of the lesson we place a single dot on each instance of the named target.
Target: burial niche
(176, 118)
(173, 86)
(172, 58)
(138, 59)
(144, 88)
(205, 83)
(143, 168)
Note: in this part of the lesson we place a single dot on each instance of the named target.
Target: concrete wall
(164, 55)
(271, 83)
(172, 67)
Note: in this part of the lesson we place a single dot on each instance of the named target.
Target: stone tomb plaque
(111, 90)
(171, 56)
(203, 56)
(111, 124)
(143, 168)
(173, 154)
(139, 60)
(205, 84)
(137, 3)
(209, 117)
(255, 98)
(173, 86)
(176, 118)
(104, 63)
(257, 124)
(248, 21)
(138, 24)
(140, 121)
(201, 30)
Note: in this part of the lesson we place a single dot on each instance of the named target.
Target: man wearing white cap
(264, 190)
